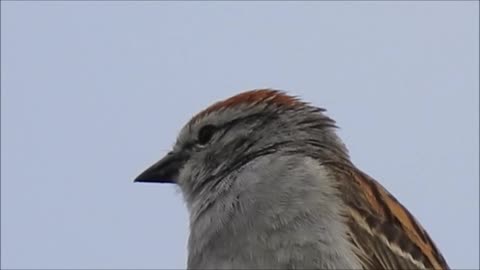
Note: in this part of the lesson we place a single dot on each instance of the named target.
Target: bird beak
(165, 170)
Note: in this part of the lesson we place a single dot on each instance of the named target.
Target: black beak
(164, 171)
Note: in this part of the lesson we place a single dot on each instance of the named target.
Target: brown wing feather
(377, 251)
(385, 234)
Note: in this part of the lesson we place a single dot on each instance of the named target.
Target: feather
(383, 232)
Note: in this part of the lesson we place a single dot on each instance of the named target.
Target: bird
(268, 184)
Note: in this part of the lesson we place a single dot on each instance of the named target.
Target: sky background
(95, 92)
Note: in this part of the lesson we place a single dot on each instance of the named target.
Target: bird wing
(384, 234)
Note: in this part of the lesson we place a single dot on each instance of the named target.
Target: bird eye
(205, 134)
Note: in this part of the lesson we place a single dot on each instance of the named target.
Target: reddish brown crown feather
(269, 96)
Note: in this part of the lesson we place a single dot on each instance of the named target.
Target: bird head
(217, 143)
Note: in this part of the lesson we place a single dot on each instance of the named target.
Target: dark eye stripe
(205, 134)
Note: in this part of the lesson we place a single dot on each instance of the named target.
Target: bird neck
(273, 205)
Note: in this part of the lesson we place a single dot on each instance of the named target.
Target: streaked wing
(369, 236)
(384, 233)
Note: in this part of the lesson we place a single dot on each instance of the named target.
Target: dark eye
(205, 134)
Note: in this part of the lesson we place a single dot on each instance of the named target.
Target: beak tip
(141, 178)
(145, 179)
(164, 171)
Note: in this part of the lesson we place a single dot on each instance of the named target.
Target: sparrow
(270, 185)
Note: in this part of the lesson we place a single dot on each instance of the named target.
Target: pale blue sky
(94, 92)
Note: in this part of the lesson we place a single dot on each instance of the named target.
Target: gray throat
(278, 212)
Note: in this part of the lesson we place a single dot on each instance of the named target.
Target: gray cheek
(184, 181)
(191, 177)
